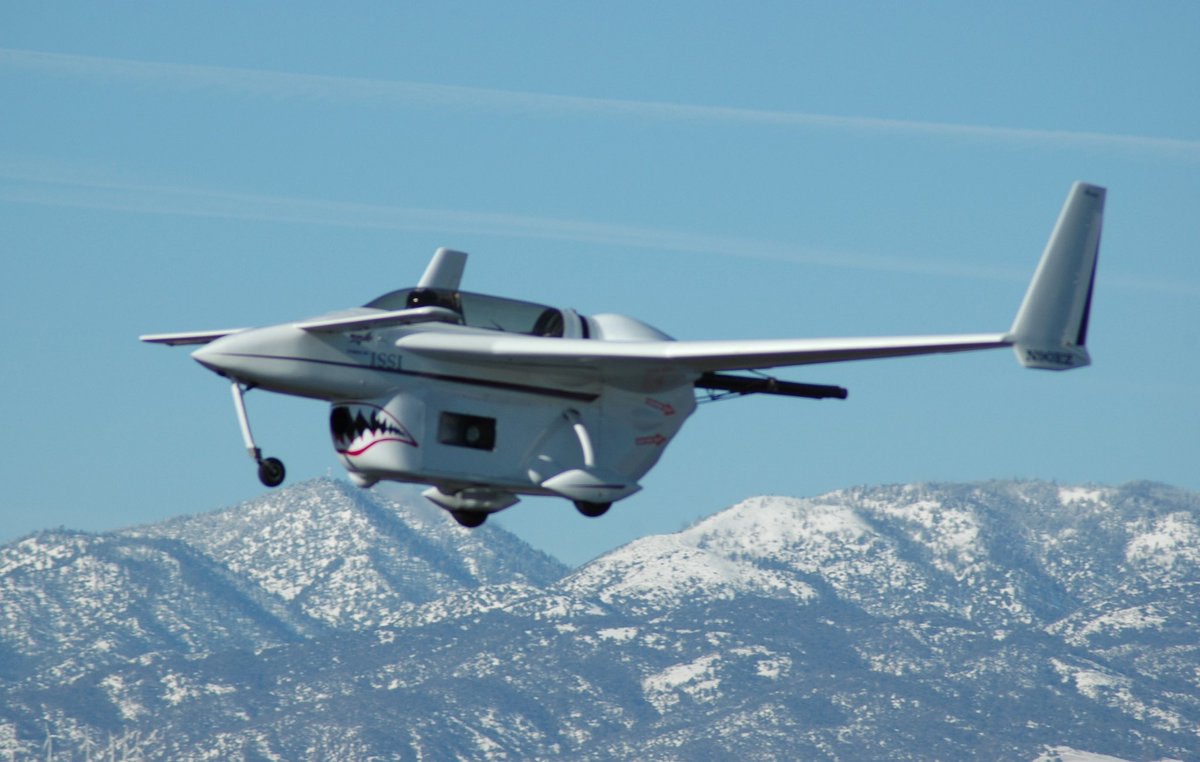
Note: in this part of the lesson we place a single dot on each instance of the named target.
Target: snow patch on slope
(696, 679)
(729, 555)
(1081, 495)
(1170, 541)
(1067, 754)
(666, 570)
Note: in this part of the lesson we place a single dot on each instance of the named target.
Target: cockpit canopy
(479, 310)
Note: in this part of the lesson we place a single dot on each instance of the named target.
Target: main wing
(1049, 331)
(613, 358)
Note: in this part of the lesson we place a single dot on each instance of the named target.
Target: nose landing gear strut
(270, 470)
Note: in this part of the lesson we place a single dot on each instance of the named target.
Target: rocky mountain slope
(1003, 620)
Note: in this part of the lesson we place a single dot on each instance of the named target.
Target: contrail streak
(22, 182)
(315, 87)
(44, 185)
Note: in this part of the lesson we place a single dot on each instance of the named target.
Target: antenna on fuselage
(445, 270)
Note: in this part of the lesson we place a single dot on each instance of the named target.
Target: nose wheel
(270, 470)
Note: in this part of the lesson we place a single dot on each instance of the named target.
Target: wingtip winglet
(1050, 330)
(445, 270)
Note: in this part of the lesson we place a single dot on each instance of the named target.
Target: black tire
(592, 510)
(271, 472)
(470, 519)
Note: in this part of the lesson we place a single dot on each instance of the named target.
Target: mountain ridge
(994, 619)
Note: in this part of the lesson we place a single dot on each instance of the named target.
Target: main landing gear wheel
(592, 510)
(470, 519)
(271, 472)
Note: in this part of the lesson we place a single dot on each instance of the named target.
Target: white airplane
(487, 398)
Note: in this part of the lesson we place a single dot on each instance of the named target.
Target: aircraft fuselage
(480, 432)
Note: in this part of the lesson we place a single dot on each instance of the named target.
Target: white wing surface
(187, 337)
(618, 357)
(377, 319)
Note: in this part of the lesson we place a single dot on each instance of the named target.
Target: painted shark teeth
(357, 428)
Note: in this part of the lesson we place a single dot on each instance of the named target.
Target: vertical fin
(1050, 329)
(445, 270)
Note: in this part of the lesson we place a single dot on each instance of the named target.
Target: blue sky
(720, 171)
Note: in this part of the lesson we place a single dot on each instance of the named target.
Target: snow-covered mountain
(1003, 620)
(350, 559)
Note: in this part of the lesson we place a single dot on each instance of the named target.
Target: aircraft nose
(214, 356)
(278, 358)
(242, 355)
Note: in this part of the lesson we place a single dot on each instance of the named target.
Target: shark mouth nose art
(359, 427)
